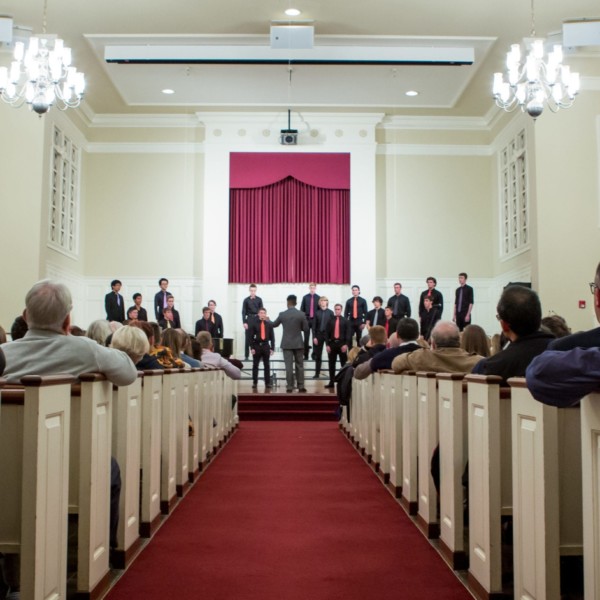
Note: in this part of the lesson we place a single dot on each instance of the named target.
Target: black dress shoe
(330, 384)
(254, 386)
(316, 376)
(268, 386)
(289, 390)
(302, 390)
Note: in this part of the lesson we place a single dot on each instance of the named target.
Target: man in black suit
(399, 302)
(339, 338)
(114, 303)
(175, 313)
(437, 300)
(262, 341)
(205, 323)
(160, 298)
(463, 302)
(356, 313)
(309, 306)
(216, 318)
(294, 325)
(142, 315)
(250, 307)
(320, 326)
(377, 315)
(429, 318)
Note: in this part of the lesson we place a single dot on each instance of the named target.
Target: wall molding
(434, 150)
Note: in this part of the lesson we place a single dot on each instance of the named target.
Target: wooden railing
(57, 438)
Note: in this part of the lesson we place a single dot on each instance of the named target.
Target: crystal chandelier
(41, 75)
(536, 80)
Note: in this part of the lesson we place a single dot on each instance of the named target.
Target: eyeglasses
(593, 287)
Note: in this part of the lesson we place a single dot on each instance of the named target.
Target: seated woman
(132, 341)
(171, 340)
(147, 362)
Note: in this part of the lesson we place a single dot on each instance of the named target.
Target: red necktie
(336, 330)
(311, 313)
(387, 327)
(262, 331)
(355, 309)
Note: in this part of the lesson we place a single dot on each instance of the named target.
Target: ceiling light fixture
(292, 12)
(42, 75)
(536, 81)
(412, 93)
(168, 91)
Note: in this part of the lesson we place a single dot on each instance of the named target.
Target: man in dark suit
(356, 313)
(399, 302)
(389, 323)
(216, 318)
(205, 323)
(250, 307)
(429, 318)
(114, 303)
(262, 341)
(463, 302)
(142, 315)
(309, 306)
(339, 338)
(437, 300)
(160, 298)
(377, 315)
(294, 325)
(175, 313)
(320, 325)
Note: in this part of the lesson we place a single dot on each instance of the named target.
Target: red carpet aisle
(289, 511)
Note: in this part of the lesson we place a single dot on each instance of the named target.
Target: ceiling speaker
(292, 37)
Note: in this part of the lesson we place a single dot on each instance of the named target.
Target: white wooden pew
(590, 459)
(151, 452)
(127, 451)
(195, 407)
(168, 451)
(182, 414)
(453, 437)
(383, 390)
(373, 411)
(393, 385)
(490, 479)
(34, 467)
(409, 442)
(427, 439)
(547, 499)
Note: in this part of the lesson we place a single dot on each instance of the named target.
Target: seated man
(167, 321)
(520, 314)
(407, 333)
(212, 359)
(445, 355)
(374, 346)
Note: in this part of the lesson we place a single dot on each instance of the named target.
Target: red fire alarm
(582, 304)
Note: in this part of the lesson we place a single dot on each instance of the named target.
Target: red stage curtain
(289, 232)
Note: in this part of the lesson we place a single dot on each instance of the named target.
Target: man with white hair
(47, 347)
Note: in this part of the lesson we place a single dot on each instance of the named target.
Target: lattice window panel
(64, 194)
(514, 196)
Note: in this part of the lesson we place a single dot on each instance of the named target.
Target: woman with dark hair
(475, 341)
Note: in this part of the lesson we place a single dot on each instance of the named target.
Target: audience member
(294, 326)
(356, 314)
(161, 353)
(497, 343)
(99, 331)
(132, 315)
(132, 341)
(463, 302)
(556, 325)
(445, 355)
(407, 333)
(429, 317)
(18, 329)
(76, 331)
(376, 316)
(437, 300)
(160, 298)
(319, 334)
(206, 323)
(399, 303)
(520, 315)
(216, 319)
(250, 307)
(187, 354)
(309, 306)
(147, 362)
(171, 339)
(3, 338)
(114, 303)
(374, 346)
(337, 342)
(142, 315)
(475, 341)
(262, 343)
(212, 359)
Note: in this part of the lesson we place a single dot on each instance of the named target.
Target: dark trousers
(336, 350)
(356, 330)
(262, 352)
(308, 337)
(247, 342)
(460, 321)
(318, 351)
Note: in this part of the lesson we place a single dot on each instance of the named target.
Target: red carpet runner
(289, 511)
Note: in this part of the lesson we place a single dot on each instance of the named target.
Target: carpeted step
(288, 415)
(287, 407)
(284, 405)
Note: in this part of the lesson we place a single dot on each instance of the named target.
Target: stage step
(287, 407)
